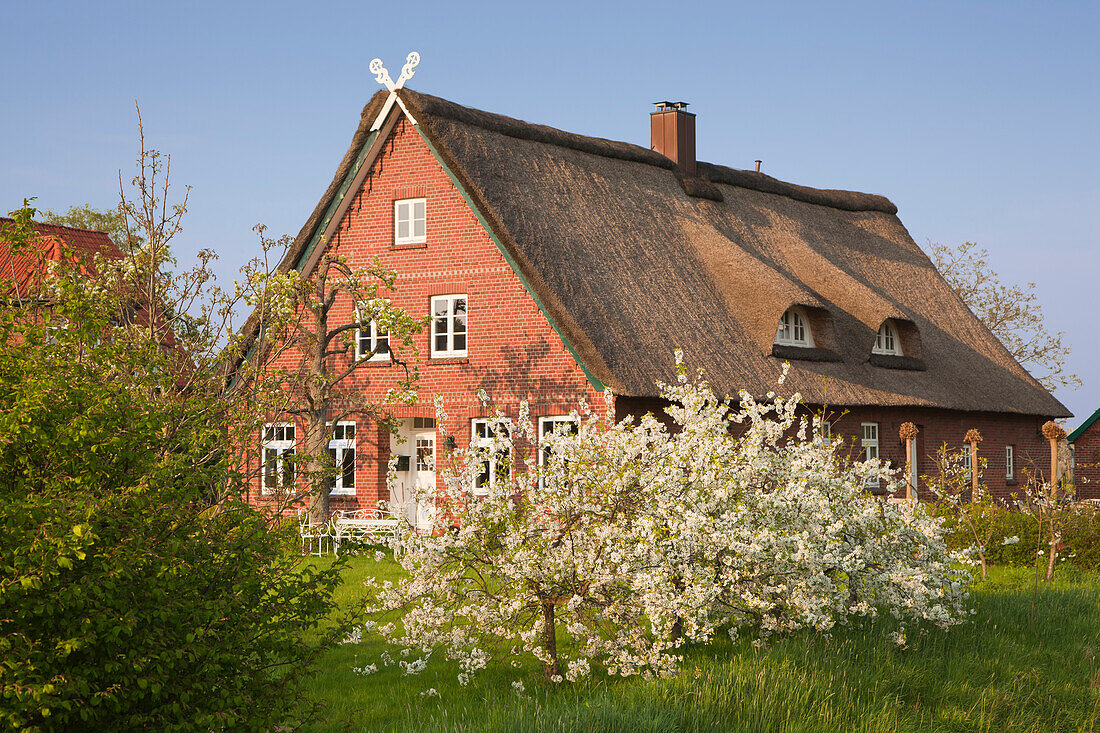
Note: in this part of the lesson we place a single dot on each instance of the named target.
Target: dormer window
(887, 341)
(794, 329)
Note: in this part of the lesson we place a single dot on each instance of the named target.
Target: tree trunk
(317, 395)
(550, 639)
(317, 447)
(1052, 557)
(981, 556)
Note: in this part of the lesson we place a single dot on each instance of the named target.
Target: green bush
(1080, 544)
(127, 599)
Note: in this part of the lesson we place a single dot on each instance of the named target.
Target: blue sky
(979, 120)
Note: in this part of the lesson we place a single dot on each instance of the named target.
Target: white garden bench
(365, 525)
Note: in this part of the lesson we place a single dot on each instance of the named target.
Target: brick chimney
(672, 134)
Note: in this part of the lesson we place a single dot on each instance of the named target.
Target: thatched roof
(630, 262)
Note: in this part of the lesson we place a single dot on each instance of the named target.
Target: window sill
(378, 363)
(449, 360)
(804, 353)
(897, 362)
(341, 494)
(409, 245)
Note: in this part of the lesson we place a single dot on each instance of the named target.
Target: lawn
(1027, 662)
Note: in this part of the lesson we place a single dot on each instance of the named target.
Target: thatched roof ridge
(436, 107)
(848, 200)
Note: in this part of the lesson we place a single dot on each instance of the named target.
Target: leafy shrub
(135, 592)
(1080, 542)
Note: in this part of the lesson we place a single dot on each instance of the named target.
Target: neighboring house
(556, 265)
(54, 243)
(1085, 445)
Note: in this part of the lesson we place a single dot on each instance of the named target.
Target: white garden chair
(315, 536)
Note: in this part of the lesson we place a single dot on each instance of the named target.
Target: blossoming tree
(620, 541)
(306, 351)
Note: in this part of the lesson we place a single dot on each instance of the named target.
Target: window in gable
(448, 326)
(341, 448)
(278, 458)
(410, 221)
(887, 341)
(794, 329)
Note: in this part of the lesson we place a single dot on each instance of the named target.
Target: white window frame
(887, 341)
(428, 444)
(410, 219)
(791, 323)
(1010, 463)
(373, 336)
(869, 449)
(451, 316)
(967, 463)
(547, 426)
(338, 447)
(282, 445)
(494, 471)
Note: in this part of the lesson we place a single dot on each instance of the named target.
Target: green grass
(1019, 666)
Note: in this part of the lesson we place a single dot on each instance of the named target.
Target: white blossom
(635, 537)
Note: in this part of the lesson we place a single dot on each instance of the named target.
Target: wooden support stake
(908, 435)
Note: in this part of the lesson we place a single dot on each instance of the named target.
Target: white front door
(423, 477)
(412, 491)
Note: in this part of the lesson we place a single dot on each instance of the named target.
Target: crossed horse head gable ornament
(382, 76)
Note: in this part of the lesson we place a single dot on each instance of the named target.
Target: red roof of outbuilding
(54, 242)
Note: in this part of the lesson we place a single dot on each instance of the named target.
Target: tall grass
(1027, 662)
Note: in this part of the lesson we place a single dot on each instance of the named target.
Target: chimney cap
(666, 105)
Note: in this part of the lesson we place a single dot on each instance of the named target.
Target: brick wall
(1086, 461)
(1031, 451)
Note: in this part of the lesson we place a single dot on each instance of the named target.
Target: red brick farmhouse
(556, 265)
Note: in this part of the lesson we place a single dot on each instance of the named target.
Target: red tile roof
(54, 243)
